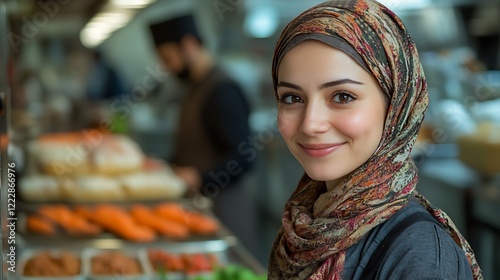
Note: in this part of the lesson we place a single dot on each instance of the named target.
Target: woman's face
(331, 111)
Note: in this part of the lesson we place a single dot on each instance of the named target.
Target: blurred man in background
(213, 123)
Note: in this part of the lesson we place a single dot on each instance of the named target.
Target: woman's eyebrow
(339, 82)
(323, 86)
(288, 85)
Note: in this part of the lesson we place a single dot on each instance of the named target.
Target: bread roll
(86, 152)
(62, 159)
(40, 188)
(152, 185)
(117, 154)
(93, 188)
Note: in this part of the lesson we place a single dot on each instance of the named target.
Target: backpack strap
(376, 259)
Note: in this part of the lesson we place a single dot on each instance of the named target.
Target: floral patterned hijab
(318, 226)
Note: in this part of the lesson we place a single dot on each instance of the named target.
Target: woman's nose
(315, 120)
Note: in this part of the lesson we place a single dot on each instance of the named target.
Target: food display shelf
(223, 243)
(229, 251)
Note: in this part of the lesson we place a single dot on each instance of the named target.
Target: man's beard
(183, 75)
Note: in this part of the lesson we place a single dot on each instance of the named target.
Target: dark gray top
(423, 251)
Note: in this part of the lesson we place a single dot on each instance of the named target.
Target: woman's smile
(320, 150)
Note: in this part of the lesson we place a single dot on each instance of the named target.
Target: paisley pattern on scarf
(319, 225)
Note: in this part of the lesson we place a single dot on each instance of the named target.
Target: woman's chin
(322, 176)
(331, 181)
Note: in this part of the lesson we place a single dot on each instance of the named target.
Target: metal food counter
(221, 248)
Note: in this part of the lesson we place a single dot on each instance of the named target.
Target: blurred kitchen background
(58, 46)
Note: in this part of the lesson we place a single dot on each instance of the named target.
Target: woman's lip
(320, 150)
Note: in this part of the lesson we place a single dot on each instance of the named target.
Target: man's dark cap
(172, 30)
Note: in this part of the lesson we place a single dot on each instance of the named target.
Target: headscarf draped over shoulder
(318, 226)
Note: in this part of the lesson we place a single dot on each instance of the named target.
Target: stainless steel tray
(27, 254)
(139, 256)
(218, 249)
(229, 250)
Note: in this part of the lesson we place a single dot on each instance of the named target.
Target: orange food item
(185, 263)
(49, 265)
(195, 221)
(202, 224)
(83, 212)
(61, 137)
(165, 261)
(39, 225)
(173, 212)
(68, 220)
(89, 214)
(146, 217)
(4, 141)
(115, 264)
(196, 263)
(118, 221)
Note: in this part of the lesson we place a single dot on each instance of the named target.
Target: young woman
(351, 98)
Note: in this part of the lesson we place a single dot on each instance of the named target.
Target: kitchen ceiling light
(261, 22)
(131, 3)
(113, 19)
(114, 15)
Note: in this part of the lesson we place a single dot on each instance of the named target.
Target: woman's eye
(290, 99)
(343, 98)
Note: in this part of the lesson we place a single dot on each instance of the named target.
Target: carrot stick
(118, 221)
(173, 212)
(202, 224)
(146, 217)
(39, 225)
(68, 220)
(83, 212)
(195, 221)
